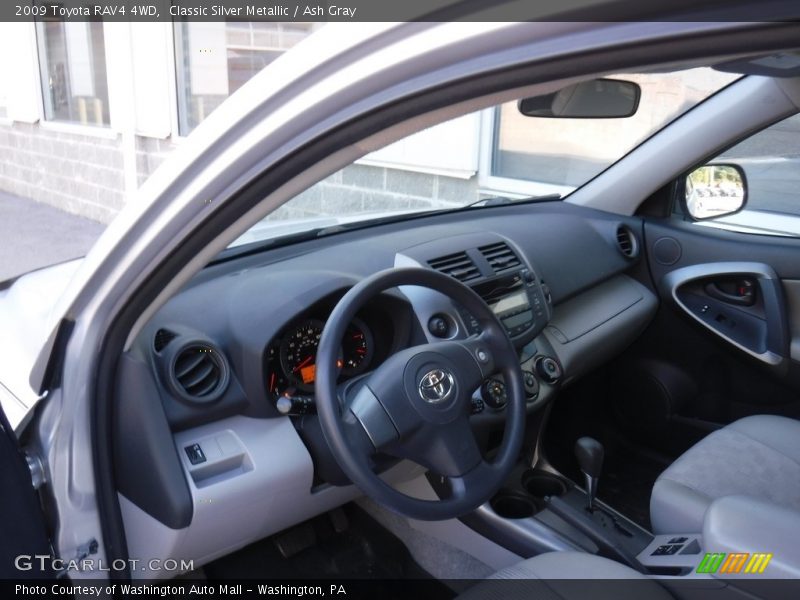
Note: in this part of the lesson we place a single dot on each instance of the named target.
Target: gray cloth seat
(755, 456)
(567, 576)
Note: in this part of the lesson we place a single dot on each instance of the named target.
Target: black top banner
(397, 10)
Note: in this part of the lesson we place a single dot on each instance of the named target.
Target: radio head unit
(518, 301)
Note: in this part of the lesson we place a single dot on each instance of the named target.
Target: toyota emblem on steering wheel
(436, 386)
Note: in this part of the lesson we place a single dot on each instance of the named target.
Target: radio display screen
(510, 303)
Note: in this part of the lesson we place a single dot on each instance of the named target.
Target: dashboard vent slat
(199, 372)
(198, 375)
(458, 265)
(627, 243)
(500, 256)
(187, 362)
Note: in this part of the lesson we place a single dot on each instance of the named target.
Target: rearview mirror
(596, 99)
(714, 191)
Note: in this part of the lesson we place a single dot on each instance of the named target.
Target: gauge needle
(307, 360)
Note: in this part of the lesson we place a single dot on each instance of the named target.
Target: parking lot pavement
(34, 235)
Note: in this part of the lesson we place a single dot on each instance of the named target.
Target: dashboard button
(195, 454)
(437, 325)
(493, 393)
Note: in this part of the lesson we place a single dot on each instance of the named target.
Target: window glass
(565, 153)
(72, 60)
(216, 59)
(555, 155)
(771, 162)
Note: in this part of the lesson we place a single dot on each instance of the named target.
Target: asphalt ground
(34, 235)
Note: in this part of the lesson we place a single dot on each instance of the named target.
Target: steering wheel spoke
(373, 418)
(357, 438)
(449, 450)
(461, 485)
(480, 347)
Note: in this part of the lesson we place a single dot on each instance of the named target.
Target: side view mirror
(714, 191)
(595, 99)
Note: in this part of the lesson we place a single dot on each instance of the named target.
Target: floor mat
(349, 545)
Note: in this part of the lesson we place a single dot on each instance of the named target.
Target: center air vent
(199, 372)
(457, 265)
(627, 242)
(499, 256)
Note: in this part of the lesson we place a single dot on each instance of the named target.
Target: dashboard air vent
(162, 338)
(199, 372)
(457, 265)
(500, 256)
(627, 242)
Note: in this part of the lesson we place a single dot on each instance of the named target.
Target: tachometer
(356, 348)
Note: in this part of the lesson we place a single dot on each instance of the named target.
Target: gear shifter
(589, 453)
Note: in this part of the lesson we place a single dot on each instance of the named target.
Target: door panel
(741, 302)
(707, 255)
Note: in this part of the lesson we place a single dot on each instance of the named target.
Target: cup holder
(540, 484)
(510, 505)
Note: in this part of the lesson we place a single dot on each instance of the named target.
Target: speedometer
(299, 353)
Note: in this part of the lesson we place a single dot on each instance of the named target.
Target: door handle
(743, 292)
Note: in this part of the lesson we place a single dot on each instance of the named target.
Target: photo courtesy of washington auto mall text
(177, 590)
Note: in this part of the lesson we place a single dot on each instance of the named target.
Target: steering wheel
(416, 405)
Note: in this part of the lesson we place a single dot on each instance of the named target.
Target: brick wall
(83, 175)
(364, 189)
(369, 189)
(79, 174)
(150, 153)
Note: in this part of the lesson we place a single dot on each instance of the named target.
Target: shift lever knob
(589, 453)
(590, 456)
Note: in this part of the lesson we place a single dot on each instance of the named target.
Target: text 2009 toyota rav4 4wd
(405, 373)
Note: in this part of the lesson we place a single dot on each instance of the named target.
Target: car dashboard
(217, 440)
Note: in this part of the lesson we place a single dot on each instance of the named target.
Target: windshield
(494, 155)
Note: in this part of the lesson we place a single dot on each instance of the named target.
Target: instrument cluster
(292, 356)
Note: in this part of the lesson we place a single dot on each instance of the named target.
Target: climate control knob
(531, 384)
(548, 369)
